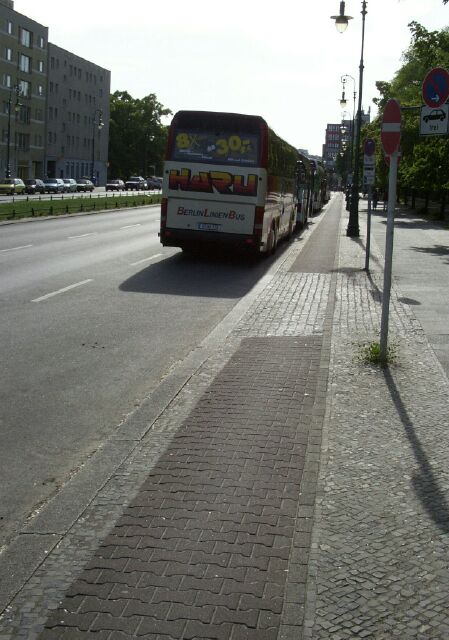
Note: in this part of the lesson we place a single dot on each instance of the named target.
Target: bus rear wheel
(272, 241)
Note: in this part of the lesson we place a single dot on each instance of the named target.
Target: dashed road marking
(55, 293)
(156, 255)
(24, 246)
(84, 235)
(131, 226)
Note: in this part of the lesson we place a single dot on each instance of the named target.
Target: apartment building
(54, 105)
(23, 83)
(77, 117)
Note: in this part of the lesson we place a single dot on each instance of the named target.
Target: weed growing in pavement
(369, 353)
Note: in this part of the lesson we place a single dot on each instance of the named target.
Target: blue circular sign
(370, 147)
(435, 88)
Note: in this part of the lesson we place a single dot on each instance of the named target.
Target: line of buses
(230, 181)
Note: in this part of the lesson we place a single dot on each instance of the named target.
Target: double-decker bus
(228, 181)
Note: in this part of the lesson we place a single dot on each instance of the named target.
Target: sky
(282, 59)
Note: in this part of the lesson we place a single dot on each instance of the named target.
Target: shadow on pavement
(424, 481)
(436, 250)
(208, 275)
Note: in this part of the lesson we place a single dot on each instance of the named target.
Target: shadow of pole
(424, 481)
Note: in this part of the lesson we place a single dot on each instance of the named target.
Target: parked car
(115, 185)
(53, 185)
(83, 184)
(12, 186)
(34, 185)
(69, 185)
(136, 183)
(154, 183)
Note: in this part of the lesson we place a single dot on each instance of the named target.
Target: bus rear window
(215, 147)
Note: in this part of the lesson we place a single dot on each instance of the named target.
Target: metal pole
(368, 230)
(8, 140)
(388, 256)
(353, 224)
(93, 149)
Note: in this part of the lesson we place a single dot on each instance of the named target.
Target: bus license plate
(207, 226)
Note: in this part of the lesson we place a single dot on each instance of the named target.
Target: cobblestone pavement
(380, 553)
(315, 507)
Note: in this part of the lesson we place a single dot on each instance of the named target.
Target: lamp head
(342, 20)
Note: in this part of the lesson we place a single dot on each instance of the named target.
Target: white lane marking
(156, 255)
(84, 235)
(130, 226)
(24, 246)
(55, 293)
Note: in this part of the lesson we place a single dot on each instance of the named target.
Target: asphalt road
(93, 313)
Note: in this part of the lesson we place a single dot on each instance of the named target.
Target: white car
(69, 185)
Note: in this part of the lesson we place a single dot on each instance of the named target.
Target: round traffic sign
(370, 147)
(391, 127)
(435, 87)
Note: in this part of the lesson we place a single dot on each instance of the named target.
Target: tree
(137, 137)
(425, 161)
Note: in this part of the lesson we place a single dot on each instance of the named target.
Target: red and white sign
(391, 127)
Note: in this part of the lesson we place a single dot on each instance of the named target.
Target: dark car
(115, 185)
(435, 114)
(34, 185)
(136, 183)
(154, 183)
(83, 184)
(53, 185)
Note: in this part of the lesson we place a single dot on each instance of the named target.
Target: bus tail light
(258, 220)
(258, 224)
(163, 214)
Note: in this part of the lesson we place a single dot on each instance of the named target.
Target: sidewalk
(288, 491)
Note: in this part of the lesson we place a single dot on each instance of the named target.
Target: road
(93, 313)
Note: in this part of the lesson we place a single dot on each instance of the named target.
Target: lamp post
(341, 22)
(8, 140)
(343, 103)
(96, 126)
(343, 146)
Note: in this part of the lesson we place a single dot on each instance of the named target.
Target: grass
(67, 204)
(369, 353)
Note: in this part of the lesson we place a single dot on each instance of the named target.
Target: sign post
(390, 136)
(369, 173)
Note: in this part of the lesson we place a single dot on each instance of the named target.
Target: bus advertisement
(228, 180)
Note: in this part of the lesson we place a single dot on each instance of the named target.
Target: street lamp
(97, 126)
(8, 142)
(341, 22)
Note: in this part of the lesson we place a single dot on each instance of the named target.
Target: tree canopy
(137, 137)
(425, 160)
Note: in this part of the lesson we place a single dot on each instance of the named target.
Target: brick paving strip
(203, 549)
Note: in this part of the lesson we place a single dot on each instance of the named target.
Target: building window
(6, 80)
(25, 37)
(24, 63)
(23, 141)
(25, 88)
(40, 66)
(41, 42)
(8, 54)
(9, 27)
(40, 90)
(25, 114)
